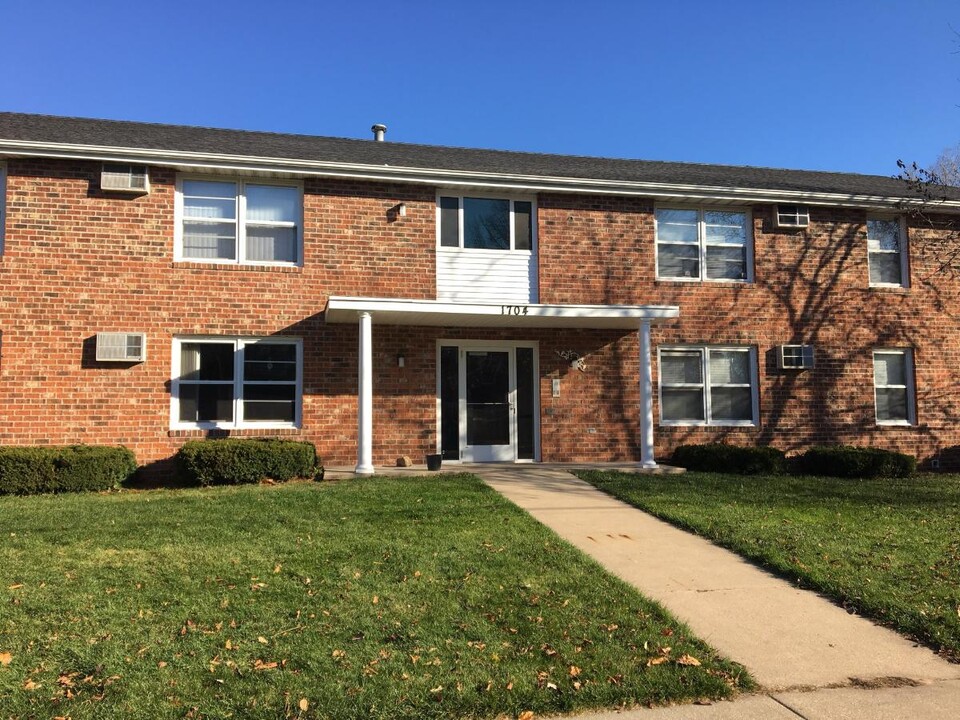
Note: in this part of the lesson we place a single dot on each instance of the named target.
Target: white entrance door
(488, 405)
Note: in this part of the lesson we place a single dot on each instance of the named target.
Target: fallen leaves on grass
(688, 660)
(5, 658)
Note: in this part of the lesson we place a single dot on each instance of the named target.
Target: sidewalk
(792, 641)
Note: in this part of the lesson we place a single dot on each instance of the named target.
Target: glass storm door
(487, 402)
(487, 406)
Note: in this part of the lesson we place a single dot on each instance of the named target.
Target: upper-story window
(485, 223)
(886, 252)
(703, 244)
(230, 221)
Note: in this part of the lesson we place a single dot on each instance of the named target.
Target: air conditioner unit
(789, 217)
(795, 357)
(125, 178)
(121, 347)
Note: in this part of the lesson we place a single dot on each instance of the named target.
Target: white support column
(646, 398)
(365, 398)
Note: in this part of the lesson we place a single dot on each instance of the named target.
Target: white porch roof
(392, 311)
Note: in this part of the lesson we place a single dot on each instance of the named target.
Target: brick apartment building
(161, 283)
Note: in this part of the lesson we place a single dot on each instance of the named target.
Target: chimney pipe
(378, 131)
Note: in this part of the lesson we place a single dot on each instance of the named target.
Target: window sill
(671, 424)
(218, 266)
(885, 287)
(233, 432)
(691, 281)
(896, 424)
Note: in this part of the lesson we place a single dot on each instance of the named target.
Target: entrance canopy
(389, 311)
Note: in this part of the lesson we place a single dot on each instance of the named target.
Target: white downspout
(646, 398)
(365, 398)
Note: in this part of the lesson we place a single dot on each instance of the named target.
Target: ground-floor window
(708, 385)
(236, 382)
(893, 387)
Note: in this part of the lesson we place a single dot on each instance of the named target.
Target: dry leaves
(304, 704)
(5, 658)
(525, 715)
(688, 660)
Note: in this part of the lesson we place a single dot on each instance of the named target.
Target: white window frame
(702, 242)
(3, 203)
(241, 222)
(706, 385)
(903, 251)
(513, 199)
(238, 344)
(910, 386)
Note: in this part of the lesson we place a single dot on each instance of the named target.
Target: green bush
(719, 457)
(855, 462)
(236, 460)
(29, 470)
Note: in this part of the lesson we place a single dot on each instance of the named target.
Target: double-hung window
(893, 387)
(708, 386)
(886, 254)
(483, 223)
(703, 244)
(236, 382)
(231, 221)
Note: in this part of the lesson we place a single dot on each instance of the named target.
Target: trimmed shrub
(855, 462)
(232, 461)
(719, 457)
(29, 470)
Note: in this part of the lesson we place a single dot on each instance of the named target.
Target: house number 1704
(514, 310)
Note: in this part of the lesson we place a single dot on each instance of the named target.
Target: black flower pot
(434, 461)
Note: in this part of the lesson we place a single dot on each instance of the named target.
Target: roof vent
(378, 131)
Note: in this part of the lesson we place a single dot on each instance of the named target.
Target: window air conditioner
(795, 357)
(125, 178)
(121, 347)
(789, 217)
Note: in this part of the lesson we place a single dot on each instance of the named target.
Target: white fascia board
(457, 178)
(388, 311)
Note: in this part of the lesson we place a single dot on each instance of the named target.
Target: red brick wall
(811, 286)
(78, 262)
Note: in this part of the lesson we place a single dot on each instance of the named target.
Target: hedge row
(235, 460)
(831, 460)
(855, 462)
(29, 470)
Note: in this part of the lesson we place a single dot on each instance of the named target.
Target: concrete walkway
(792, 641)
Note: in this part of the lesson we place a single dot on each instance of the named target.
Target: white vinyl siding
(223, 382)
(886, 252)
(894, 387)
(486, 250)
(712, 244)
(486, 276)
(236, 221)
(708, 386)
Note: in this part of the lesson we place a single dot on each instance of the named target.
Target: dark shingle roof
(177, 138)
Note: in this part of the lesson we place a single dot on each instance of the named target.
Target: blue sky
(846, 85)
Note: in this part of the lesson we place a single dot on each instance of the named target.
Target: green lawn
(379, 598)
(888, 548)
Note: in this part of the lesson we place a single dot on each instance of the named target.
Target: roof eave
(457, 178)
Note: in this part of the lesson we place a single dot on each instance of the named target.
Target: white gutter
(455, 178)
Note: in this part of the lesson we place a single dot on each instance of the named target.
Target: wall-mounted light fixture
(401, 360)
(401, 209)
